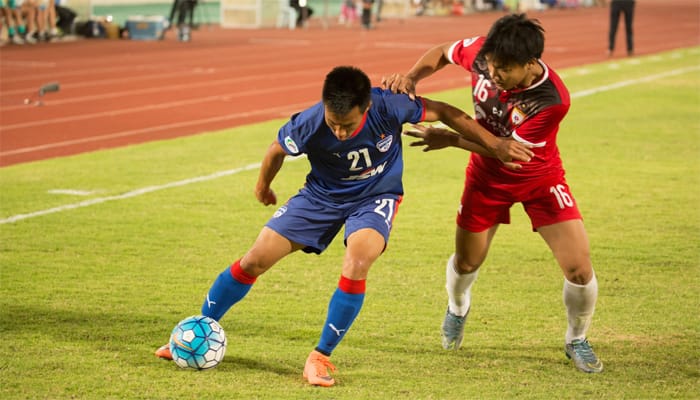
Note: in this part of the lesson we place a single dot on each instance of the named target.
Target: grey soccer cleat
(584, 358)
(453, 330)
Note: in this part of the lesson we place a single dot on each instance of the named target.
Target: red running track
(119, 92)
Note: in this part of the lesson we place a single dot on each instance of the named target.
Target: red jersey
(529, 115)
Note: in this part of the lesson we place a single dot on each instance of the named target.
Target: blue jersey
(368, 163)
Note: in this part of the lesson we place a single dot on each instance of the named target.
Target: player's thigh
(364, 246)
(269, 247)
(308, 221)
(377, 213)
(367, 231)
(569, 244)
(549, 204)
(471, 248)
(481, 207)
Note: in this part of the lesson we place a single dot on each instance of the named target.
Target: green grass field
(91, 287)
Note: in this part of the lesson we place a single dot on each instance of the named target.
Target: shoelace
(322, 365)
(584, 350)
(455, 320)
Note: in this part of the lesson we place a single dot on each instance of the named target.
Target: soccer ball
(198, 342)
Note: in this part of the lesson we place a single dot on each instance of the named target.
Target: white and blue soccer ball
(198, 342)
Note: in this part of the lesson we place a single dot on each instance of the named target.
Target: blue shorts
(314, 222)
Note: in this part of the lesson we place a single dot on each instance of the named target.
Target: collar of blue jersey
(362, 125)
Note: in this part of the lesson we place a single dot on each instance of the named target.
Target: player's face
(512, 76)
(343, 126)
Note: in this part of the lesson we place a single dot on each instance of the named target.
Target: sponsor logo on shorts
(291, 145)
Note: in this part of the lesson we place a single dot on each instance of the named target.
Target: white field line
(617, 85)
(216, 175)
(73, 192)
(135, 193)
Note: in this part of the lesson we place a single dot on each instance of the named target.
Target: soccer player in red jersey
(515, 95)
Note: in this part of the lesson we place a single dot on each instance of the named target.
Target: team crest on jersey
(289, 143)
(384, 144)
(279, 212)
(517, 117)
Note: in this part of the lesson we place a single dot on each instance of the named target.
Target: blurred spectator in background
(12, 21)
(46, 20)
(28, 10)
(185, 19)
(348, 12)
(303, 10)
(65, 17)
(173, 10)
(495, 4)
(618, 7)
(380, 4)
(367, 13)
(185, 8)
(183, 12)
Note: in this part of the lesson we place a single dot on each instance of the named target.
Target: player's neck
(535, 75)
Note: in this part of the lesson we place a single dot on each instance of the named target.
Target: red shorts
(545, 202)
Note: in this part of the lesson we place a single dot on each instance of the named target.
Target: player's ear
(368, 106)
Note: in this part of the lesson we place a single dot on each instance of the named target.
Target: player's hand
(432, 138)
(398, 83)
(266, 197)
(509, 151)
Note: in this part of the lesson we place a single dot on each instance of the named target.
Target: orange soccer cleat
(164, 352)
(316, 370)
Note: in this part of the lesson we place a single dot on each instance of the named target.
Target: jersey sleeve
(295, 134)
(403, 109)
(463, 52)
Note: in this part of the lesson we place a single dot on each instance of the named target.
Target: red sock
(241, 276)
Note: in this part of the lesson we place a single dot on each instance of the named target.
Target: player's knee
(579, 274)
(254, 264)
(466, 264)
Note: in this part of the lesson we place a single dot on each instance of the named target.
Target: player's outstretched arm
(438, 138)
(505, 150)
(432, 61)
(271, 164)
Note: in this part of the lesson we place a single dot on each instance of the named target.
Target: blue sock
(342, 310)
(228, 289)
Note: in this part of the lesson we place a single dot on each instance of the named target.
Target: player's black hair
(344, 88)
(514, 39)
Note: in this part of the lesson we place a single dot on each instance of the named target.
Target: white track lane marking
(282, 111)
(158, 106)
(216, 175)
(285, 110)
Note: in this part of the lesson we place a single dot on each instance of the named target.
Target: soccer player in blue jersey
(352, 139)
